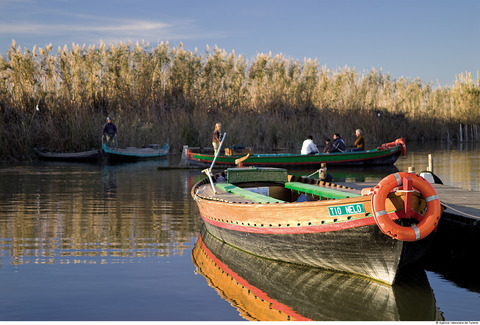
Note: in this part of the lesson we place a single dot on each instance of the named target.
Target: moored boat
(386, 154)
(265, 212)
(134, 154)
(81, 156)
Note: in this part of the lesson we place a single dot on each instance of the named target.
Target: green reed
(159, 93)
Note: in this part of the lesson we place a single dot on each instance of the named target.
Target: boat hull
(83, 156)
(383, 157)
(134, 154)
(362, 250)
(313, 233)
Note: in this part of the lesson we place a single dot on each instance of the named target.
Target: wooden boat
(261, 289)
(386, 154)
(134, 154)
(265, 212)
(83, 156)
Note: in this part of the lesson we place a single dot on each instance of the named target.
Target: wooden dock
(459, 202)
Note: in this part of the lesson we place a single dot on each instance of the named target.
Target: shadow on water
(456, 252)
(267, 290)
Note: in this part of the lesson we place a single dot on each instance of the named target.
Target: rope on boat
(317, 171)
(461, 212)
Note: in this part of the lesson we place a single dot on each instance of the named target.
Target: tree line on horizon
(59, 101)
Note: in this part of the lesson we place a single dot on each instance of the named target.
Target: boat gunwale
(350, 157)
(266, 221)
(136, 152)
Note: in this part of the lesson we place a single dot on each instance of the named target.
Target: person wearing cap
(110, 133)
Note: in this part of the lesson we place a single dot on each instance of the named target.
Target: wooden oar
(208, 171)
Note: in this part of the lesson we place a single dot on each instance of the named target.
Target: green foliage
(159, 93)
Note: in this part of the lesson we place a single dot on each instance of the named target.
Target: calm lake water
(86, 242)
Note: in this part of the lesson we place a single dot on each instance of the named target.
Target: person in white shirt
(309, 147)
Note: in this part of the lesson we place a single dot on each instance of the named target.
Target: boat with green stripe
(384, 155)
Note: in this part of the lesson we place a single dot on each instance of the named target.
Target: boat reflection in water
(268, 290)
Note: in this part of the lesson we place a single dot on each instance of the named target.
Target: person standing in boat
(309, 147)
(359, 142)
(338, 143)
(110, 133)
(217, 137)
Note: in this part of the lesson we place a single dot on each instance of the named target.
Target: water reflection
(66, 213)
(457, 164)
(268, 290)
(455, 254)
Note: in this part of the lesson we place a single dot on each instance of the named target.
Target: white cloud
(53, 29)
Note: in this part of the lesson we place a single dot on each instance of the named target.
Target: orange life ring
(398, 142)
(401, 142)
(415, 232)
(387, 145)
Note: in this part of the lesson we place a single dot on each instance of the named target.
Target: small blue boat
(129, 154)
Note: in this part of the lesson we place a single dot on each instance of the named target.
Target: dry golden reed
(155, 94)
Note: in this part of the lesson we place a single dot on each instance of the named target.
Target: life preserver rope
(428, 221)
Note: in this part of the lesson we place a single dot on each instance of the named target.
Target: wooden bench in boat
(311, 189)
(256, 197)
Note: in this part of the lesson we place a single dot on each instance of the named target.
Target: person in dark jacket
(110, 133)
(338, 143)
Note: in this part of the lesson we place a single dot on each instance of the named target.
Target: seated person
(308, 146)
(328, 146)
(359, 142)
(338, 143)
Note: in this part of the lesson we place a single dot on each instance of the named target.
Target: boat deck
(230, 193)
(221, 195)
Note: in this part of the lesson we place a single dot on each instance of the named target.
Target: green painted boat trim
(328, 193)
(256, 174)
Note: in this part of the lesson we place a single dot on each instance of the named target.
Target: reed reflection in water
(63, 212)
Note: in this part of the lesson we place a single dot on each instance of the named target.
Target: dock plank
(459, 201)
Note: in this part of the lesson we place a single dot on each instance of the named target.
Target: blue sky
(434, 40)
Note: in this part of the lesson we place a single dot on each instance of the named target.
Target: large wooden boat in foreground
(268, 213)
(386, 154)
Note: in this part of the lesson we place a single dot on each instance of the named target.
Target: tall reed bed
(60, 100)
